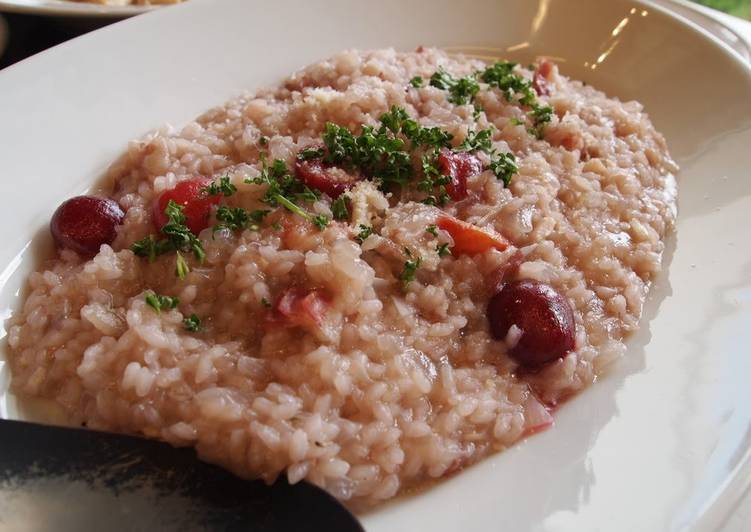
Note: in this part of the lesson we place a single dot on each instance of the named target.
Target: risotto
(376, 273)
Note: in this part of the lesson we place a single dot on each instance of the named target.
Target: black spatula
(63, 479)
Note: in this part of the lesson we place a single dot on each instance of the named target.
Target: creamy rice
(399, 383)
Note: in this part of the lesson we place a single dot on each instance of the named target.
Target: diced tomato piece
(195, 201)
(470, 239)
(458, 166)
(541, 77)
(297, 307)
(328, 179)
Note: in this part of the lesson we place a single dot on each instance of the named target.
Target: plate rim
(69, 9)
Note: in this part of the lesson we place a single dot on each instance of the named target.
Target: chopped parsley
(181, 267)
(477, 141)
(265, 302)
(540, 116)
(339, 208)
(232, 218)
(178, 234)
(276, 226)
(258, 215)
(178, 237)
(158, 302)
(461, 90)
(433, 183)
(516, 122)
(310, 153)
(223, 186)
(282, 189)
(382, 152)
(410, 267)
(515, 88)
(432, 229)
(364, 233)
(263, 141)
(416, 82)
(150, 247)
(192, 323)
(320, 221)
(504, 166)
(442, 249)
(377, 152)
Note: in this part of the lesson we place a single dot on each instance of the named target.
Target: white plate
(710, 20)
(662, 443)
(65, 8)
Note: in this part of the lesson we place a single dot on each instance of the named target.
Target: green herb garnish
(442, 249)
(282, 188)
(310, 153)
(192, 323)
(504, 166)
(416, 82)
(339, 208)
(477, 141)
(181, 267)
(265, 302)
(432, 229)
(232, 218)
(178, 237)
(150, 247)
(158, 302)
(263, 141)
(461, 90)
(515, 88)
(410, 267)
(540, 115)
(223, 186)
(178, 234)
(364, 233)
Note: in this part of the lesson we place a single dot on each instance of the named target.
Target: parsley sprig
(461, 90)
(177, 238)
(158, 302)
(192, 323)
(339, 208)
(503, 165)
(383, 153)
(221, 187)
(410, 267)
(282, 189)
(365, 232)
(515, 89)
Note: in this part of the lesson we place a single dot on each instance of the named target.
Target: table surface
(29, 34)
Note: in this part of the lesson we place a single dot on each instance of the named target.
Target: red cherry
(84, 223)
(544, 316)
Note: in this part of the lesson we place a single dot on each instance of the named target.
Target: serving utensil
(66, 479)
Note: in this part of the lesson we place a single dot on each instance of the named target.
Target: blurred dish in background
(128, 2)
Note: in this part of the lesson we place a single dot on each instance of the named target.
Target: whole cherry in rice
(543, 315)
(191, 195)
(84, 223)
